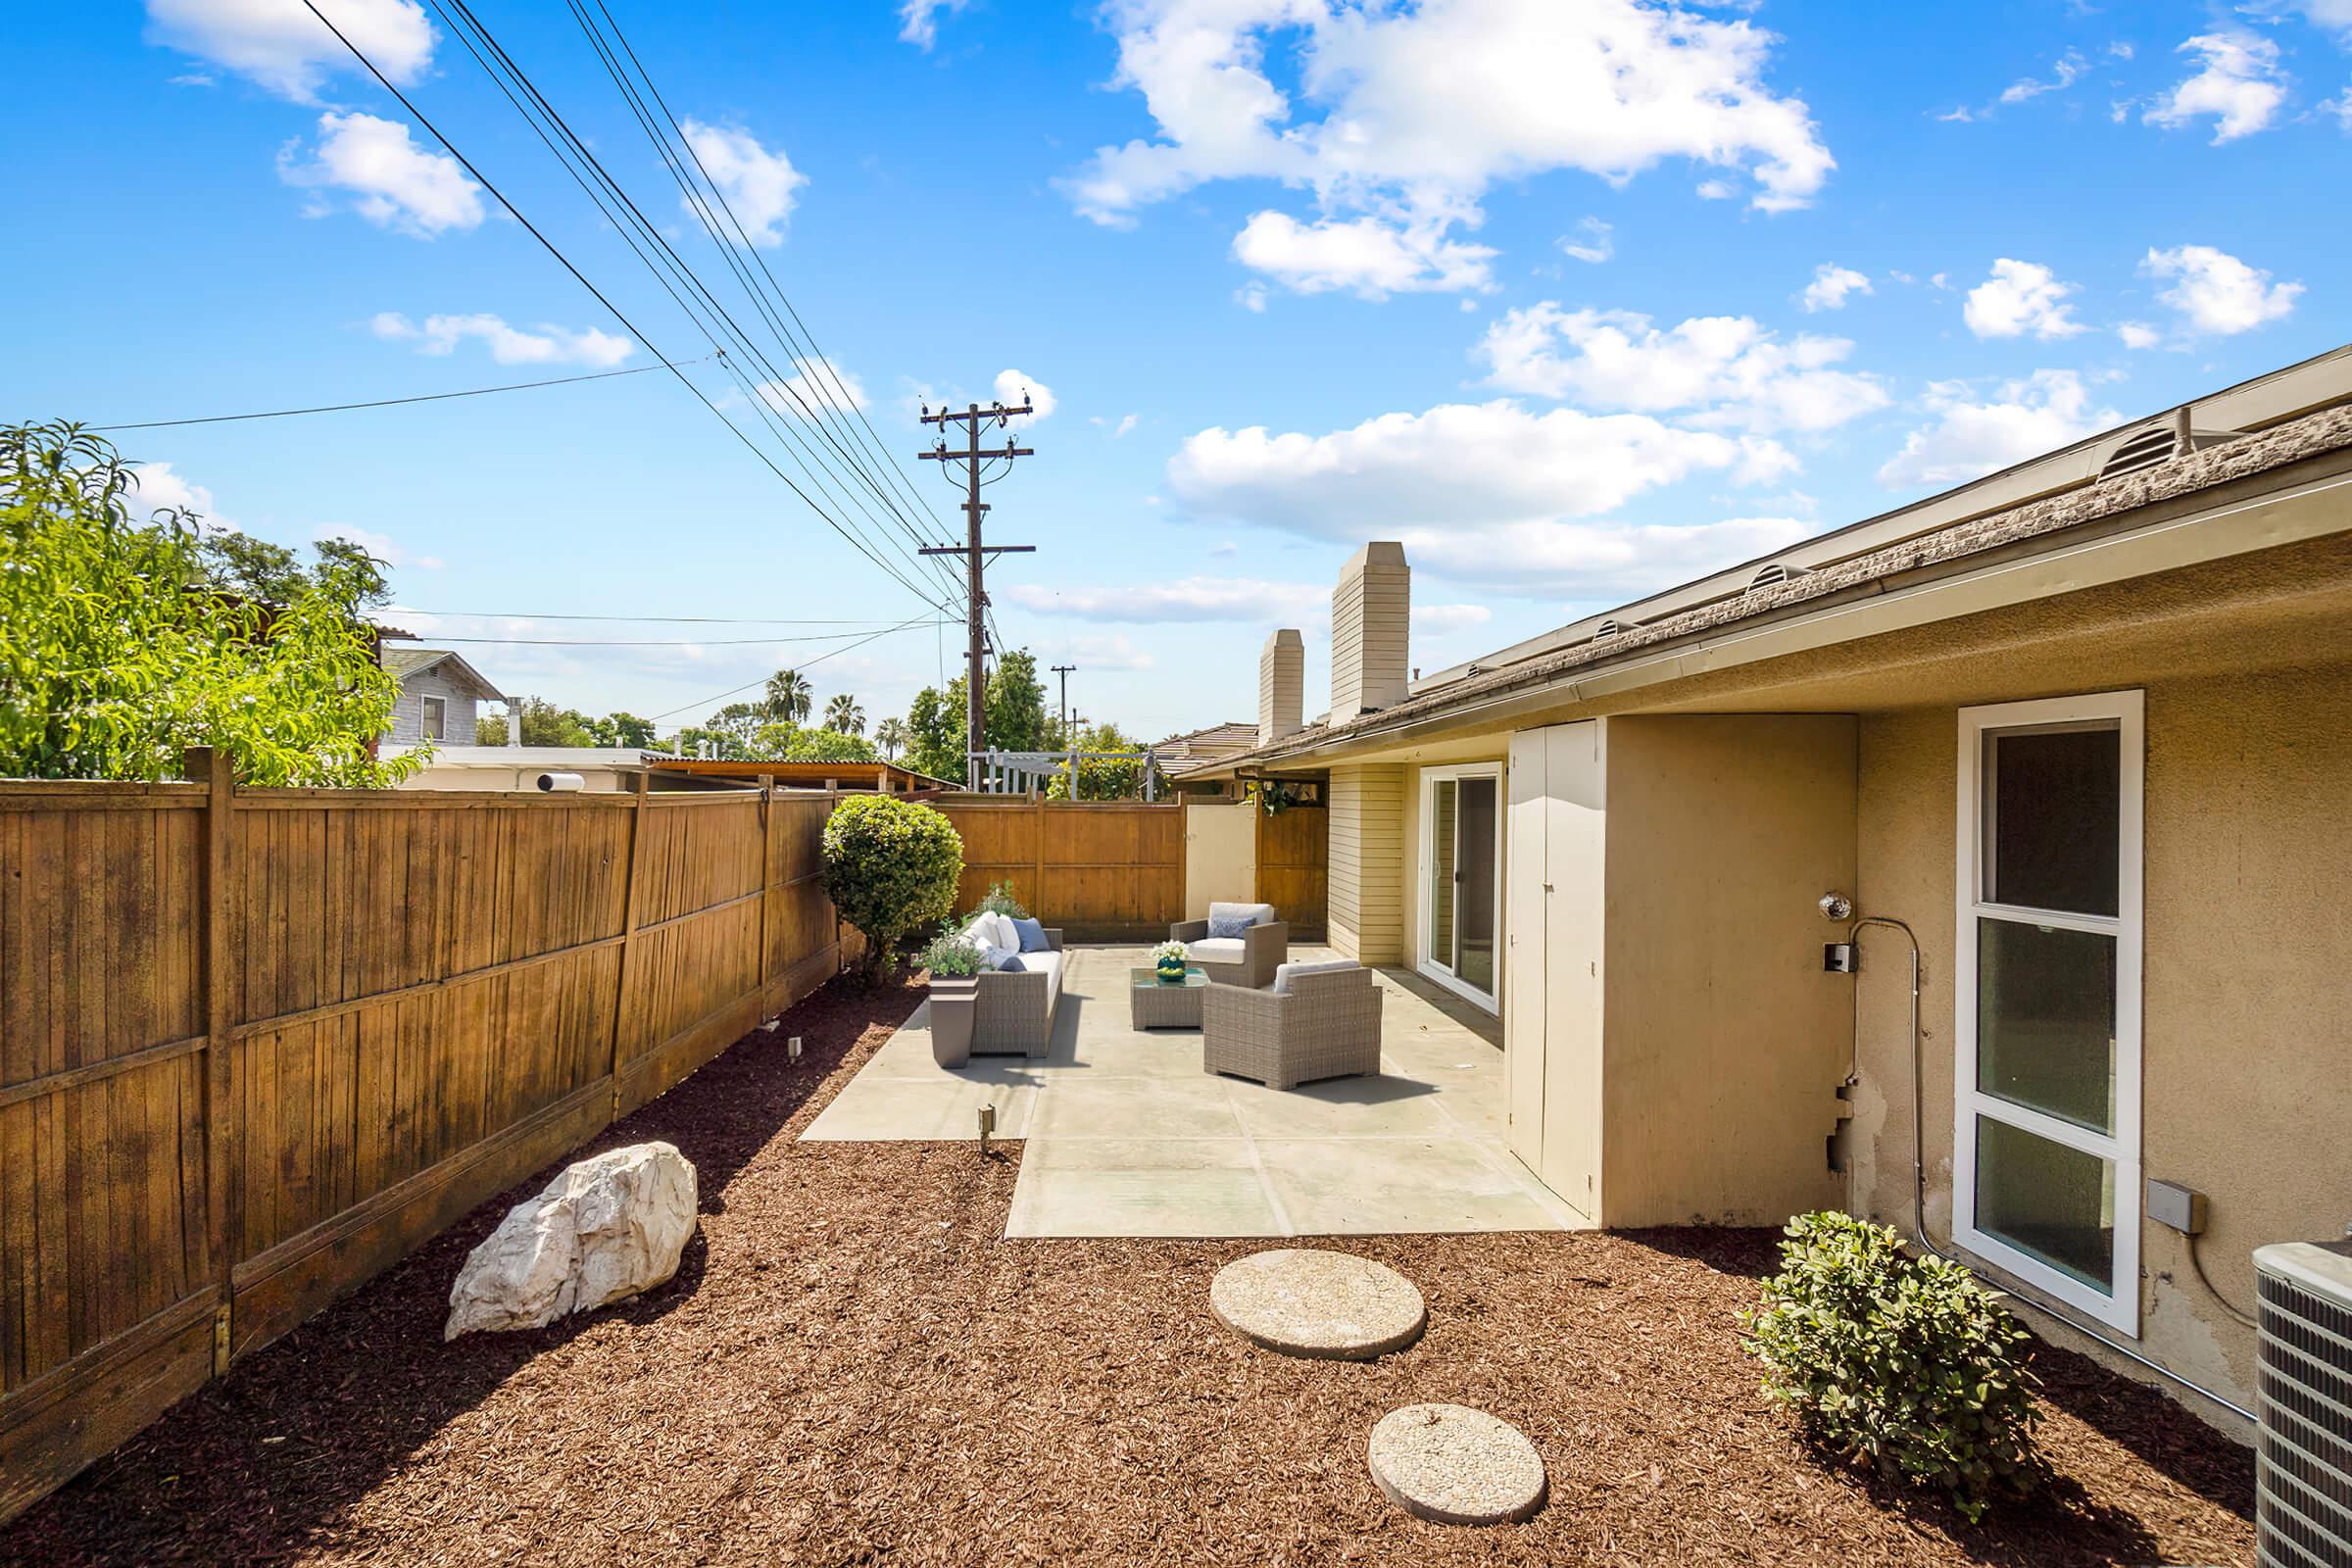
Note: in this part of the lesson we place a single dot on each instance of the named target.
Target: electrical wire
(388, 403)
(672, 620)
(904, 625)
(617, 315)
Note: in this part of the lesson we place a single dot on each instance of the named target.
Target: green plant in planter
(891, 867)
(1000, 901)
(1905, 1360)
(952, 958)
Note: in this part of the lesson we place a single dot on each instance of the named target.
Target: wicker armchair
(1013, 1013)
(1264, 946)
(1322, 1025)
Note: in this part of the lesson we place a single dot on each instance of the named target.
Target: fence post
(767, 880)
(210, 766)
(628, 937)
(1037, 887)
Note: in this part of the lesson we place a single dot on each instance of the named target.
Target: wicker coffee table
(1156, 1003)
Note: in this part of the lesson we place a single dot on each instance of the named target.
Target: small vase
(1172, 971)
(954, 1000)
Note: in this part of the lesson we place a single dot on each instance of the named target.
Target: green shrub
(951, 957)
(1907, 1360)
(1000, 901)
(890, 867)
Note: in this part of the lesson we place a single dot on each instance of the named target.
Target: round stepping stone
(1303, 1302)
(1457, 1466)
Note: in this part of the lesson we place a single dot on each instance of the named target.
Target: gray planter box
(954, 1002)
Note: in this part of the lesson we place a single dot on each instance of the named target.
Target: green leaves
(1907, 1361)
(117, 653)
(890, 867)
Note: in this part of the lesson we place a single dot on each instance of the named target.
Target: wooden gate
(1292, 869)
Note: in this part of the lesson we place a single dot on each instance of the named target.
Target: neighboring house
(602, 769)
(888, 778)
(438, 694)
(2082, 729)
(1198, 747)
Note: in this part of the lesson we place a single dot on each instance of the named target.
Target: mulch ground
(854, 1365)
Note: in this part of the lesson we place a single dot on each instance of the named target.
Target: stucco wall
(1220, 856)
(2246, 1073)
(408, 714)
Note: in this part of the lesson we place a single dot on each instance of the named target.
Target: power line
(689, 642)
(672, 620)
(388, 403)
(553, 250)
(904, 625)
(975, 554)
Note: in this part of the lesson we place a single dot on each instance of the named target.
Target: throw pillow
(1230, 925)
(1033, 934)
(1011, 963)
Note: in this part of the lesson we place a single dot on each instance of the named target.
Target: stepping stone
(1334, 1306)
(1457, 1466)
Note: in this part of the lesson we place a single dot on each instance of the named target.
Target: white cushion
(1238, 915)
(1216, 949)
(996, 930)
(1048, 964)
(1284, 972)
(994, 956)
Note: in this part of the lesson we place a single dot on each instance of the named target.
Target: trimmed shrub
(1907, 1361)
(891, 867)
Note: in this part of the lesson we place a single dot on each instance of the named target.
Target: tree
(238, 563)
(891, 736)
(117, 653)
(935, 732)
(1016, 716)
(891, 867)
(843, 714)
(1103, 779)
(788, 696)
(621, 729)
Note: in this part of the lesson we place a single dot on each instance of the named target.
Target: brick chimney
(1281, 686)
(1371, 613)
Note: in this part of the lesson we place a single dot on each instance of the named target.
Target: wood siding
(1102, 871)
(257, 1044)
(1368, 859)
(1371, 621)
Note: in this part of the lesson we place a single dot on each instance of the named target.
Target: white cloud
(1110, 651)
(1437, 621)
(158, 485)
(1610, 88)
(1970, 437)
(1717, 191)
(394, 183)
(2216, 293)
(2137, 334)
(1368, 257)
(1830, 285)
(812, 384)
(2340, 107)
(381, 545)
(1727, 369)
(918, 19)
(2238, 83)
(280, 45)
(1251, 297)
(760, 185)
(1458, 470)
(1123, 425)
(1190, 599)
(2021, 297)
(1012, 386)
(509, 345)
(1593, 241)
(1589, 560)
(2064, 73)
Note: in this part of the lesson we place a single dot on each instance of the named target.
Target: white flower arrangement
(1168, 952)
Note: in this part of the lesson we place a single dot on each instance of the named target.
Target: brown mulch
(854, 1365)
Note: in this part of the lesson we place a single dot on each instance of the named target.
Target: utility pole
(974, 419)
(1063, 670)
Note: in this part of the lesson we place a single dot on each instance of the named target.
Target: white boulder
(607, 1228)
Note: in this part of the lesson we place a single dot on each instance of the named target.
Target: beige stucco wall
(1367, 854)
(1220, 856)
(2247, 988)
(1724, 1043)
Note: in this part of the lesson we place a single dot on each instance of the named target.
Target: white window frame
(425, 717)
(1422, 900)
(2125, 711)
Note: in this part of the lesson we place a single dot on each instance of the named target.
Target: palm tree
(788, 696)
(891, 736)
(843, 714)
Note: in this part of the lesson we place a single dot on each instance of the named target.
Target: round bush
(891, 867)
(1906, 1361)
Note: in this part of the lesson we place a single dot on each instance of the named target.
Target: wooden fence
(257, 1044)
(1102, 870)
(1293, 870)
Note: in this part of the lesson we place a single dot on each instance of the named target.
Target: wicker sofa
(1012, 1010)
(1317, 1021)
(1248, 959)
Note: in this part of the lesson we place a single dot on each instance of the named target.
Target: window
(2045, 981)
(436, 719)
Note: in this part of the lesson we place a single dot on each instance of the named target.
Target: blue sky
(1579, 300)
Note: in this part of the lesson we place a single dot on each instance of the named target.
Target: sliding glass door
(1461, 823)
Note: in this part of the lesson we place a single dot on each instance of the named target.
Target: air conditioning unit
(2303, 1369)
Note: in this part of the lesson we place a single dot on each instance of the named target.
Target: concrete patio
(1126, 1136)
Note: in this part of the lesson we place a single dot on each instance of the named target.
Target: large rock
(607, 1228)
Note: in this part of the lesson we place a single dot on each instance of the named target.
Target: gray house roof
(404, 662)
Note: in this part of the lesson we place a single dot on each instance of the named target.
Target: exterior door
(1461, 886)
(1553, 900)
(1523, 926)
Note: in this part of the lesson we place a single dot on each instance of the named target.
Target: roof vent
(2142, 450)
(1774, 574)
(1611, 627)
